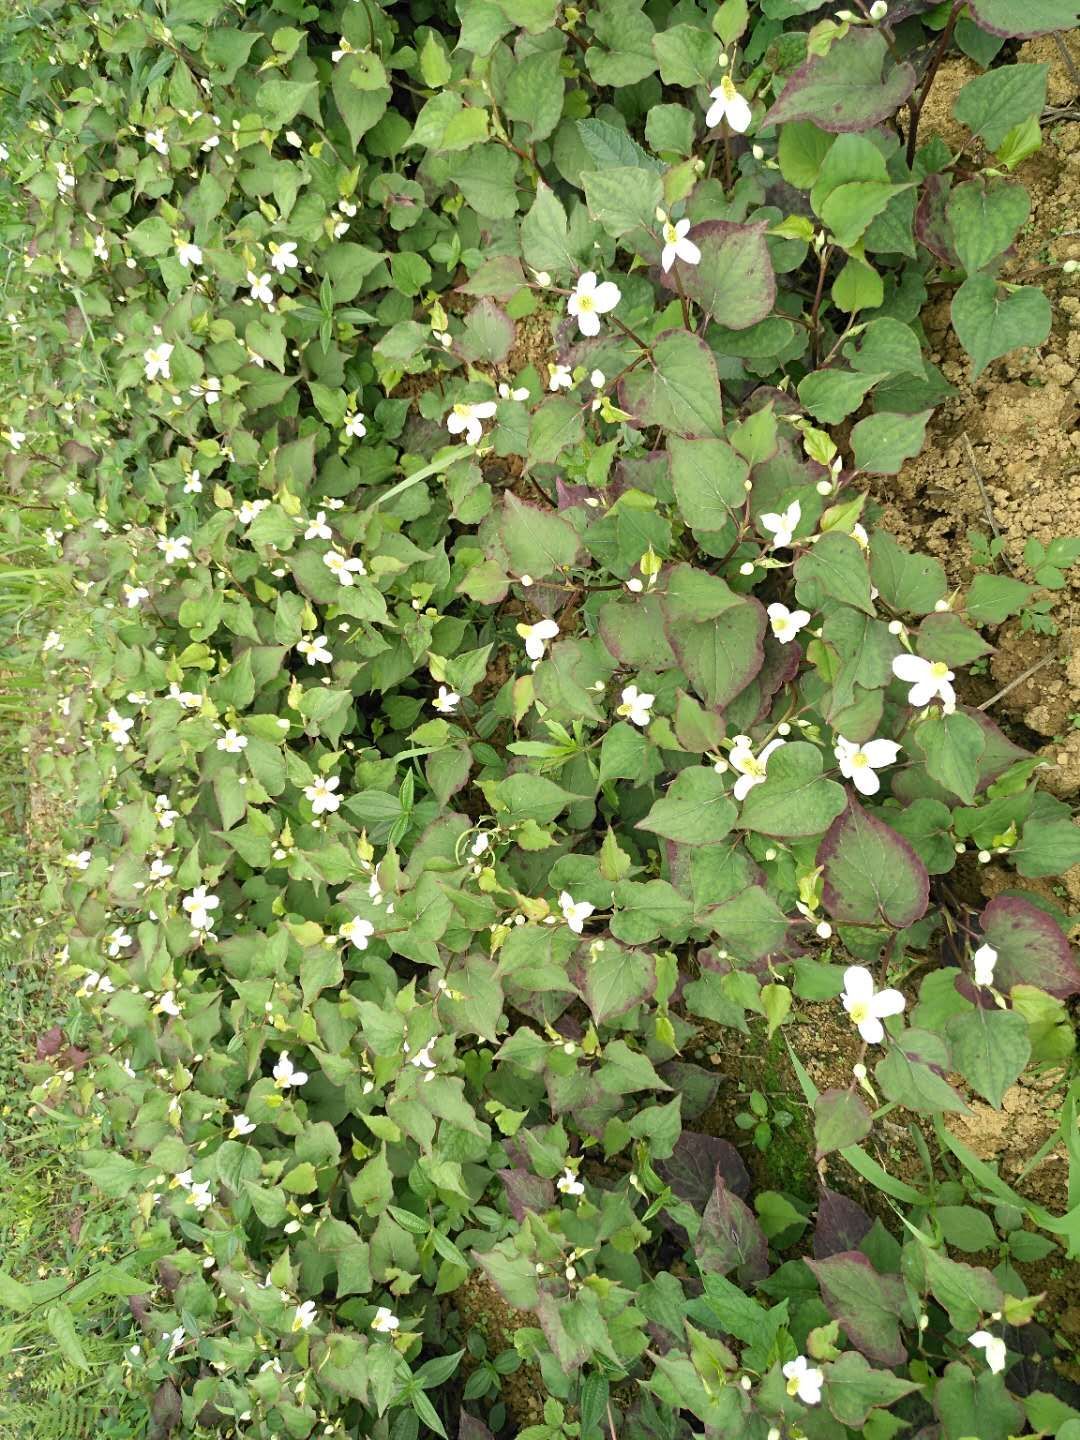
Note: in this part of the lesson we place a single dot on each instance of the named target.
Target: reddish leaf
(734, 281)
(840, 1119)
(694, 1164)
(525, 1191)
(872, 874)
(730, 1238)
(844, 90)
(1031, 948)
(866, 1304)
(842, 1225)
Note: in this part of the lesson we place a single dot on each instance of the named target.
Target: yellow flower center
(793, 1387)
(939, 670)
(585, 302)
(860, 1011)
(671, 235)
(858, 761)
(463, 410)
(727, 85)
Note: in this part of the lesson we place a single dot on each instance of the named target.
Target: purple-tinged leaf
(633, 632)
(678, 389)
(932, 227)
(840, 1119)
(1031, 949)
(844, 90)
(695, 1163)
(867, 1305)
(1019, 21)
(730, 1238)
(469, 1428)
(488, 334)
(734, 281)
(715, 634)
(913, 1074)
(842, 1225)
(613, 980)
(853, 1389)
(526, 1191)
(872, 874)
(697, 1087)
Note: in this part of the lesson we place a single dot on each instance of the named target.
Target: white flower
(878, 10)
(751, 767)
(199, 905)
(315, 650)
(189, 699)
(928, 679)
(447, 701)
(344, 567)
(786, 623)
(117, 940)
(15, 438)
(985, 959)
(385, 1322)
(101, 247)
(251, 510)
(995, 1348)
(321, 794)
(574, 912)
(803, 1380)
(354, 426)
(260, 287)
(175, 1338)
(232, 742)
(465, 419)
(505, 392)
(286, 1074)
(480, 843)
(116, 727)
(859, 762)
(283, 257)
(782, 527)
(193, 483)
(78, 860)
(94, 983)
(174, 548)
(188, 253)
(866, 1006)
(200, 1195)
(157, 360)
(536, 637)
(422, 1059)
(357, 932)
(636, 705)
(164, 812)
(156, 140)
(160, 869)
(305, 1316)
(559, 377)
(343, 49)
(241, 1125)
(728, 105)
(590, 300)
(210, 391)
(167, 1005)
(677, 246)
(569, 1184)
(65, 179)
(318, 529)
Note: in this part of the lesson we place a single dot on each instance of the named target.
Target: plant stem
(916, 103)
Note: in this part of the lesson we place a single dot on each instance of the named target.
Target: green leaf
(488, 334)
(984, 216)
(535, 91)
(952, 747)
(832, 395)
(716, 635)
(990, 1049)
(687, 55)
(555, 426)
(912, 1074)
(280, 101)
(622, 198)
(734, 281)
(881, 443)
(487, 177)
(801, 151)
(969, 1404)
(696, 810)
(608, 146)
(14, 1295)
(844, 89)
(616, 980)
(709, 480)
(794, 799)
(910, 584)
(991, 104)
(886, 346)
(61, 1326)
(993, 598)
(678, 390)
(871, 874)
(835, 566)
(544, 237)
(991, 319)
(840, 1119)
(853, 1389)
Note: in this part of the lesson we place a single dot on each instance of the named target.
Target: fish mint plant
(491, 685)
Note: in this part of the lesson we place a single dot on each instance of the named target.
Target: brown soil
(479, 1304)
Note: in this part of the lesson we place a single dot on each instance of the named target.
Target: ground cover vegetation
(483, 693)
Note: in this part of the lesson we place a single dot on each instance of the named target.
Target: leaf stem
(917, 101)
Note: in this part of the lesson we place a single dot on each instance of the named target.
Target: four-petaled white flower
(94, 983)
(786, 623)
(200, 905)
(160, 869)
(783, 526)
(867, 1006)
(241, 1125)
(993, 1347)
(175, 548)
(315, 650)
(590, 300)
(318, 529)
(193, 483)
(422, 1059)
(116, 727)
(447, 701)
(859, 762)
(559, 377)
(286, 1074)
(321, 794)
(728, 105)
(677, 246)
(168, 1005)
(232, 742)
(985, 958)
(636, 705)
(117, 941)
(929, 679)
(157, 360)
(260, 287)
(344, 566)
(188, 253)
(78, 859)
(15, 438)
(199, 1194)
(344, 48)
(752, 768)
(357, 932)
(305, 1316)
(354, 426)
(518, 394)
(283, 256)
(385, 1322)
(465, 419)
(164, 812)
(569, 1184)
(536, 637)
(210, 391)
(803, 1380)
(156, 140)
(574, 912)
